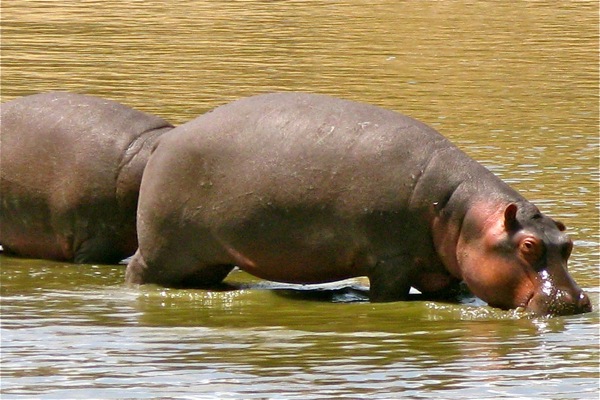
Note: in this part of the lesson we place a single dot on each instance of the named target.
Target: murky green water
(515, 84)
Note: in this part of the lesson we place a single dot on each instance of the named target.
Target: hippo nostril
(583, 302)
(565, 303)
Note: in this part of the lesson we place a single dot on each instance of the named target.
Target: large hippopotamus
(71, 169)
(305, 188)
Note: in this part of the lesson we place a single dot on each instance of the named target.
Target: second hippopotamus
(305, 188)
(71, 171)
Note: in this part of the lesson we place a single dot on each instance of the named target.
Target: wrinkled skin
(306, 188)
(70, 173)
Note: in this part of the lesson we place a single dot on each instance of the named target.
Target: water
(513, 84)
(77, 332)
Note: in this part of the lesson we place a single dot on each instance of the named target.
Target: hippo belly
(307, 188)
(71, 170)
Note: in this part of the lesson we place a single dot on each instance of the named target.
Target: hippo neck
(487, 194)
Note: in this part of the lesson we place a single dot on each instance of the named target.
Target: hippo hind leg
(207, 276)
(136, 269)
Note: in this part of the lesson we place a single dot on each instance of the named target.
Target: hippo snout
(560, 303)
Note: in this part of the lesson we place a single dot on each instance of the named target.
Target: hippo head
(514, 256)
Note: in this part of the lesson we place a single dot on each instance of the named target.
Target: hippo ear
(561, 227)
(510, 217)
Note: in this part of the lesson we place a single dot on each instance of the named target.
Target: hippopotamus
(71, 170)
(305, 188)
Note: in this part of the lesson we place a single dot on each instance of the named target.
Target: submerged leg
(139, 273)
(390, 280)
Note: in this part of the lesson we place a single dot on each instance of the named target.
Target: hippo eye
(531, 250)
(528, 245)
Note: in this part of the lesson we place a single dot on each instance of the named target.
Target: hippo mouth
(526, 305)
(555, 304)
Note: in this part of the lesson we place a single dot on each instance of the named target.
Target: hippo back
(323, 150)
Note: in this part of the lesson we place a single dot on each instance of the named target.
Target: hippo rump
(70, 176)
(304, 188)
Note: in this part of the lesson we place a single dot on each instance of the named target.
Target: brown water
(515, 84)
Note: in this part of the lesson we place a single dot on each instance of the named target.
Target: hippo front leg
(390, 280)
